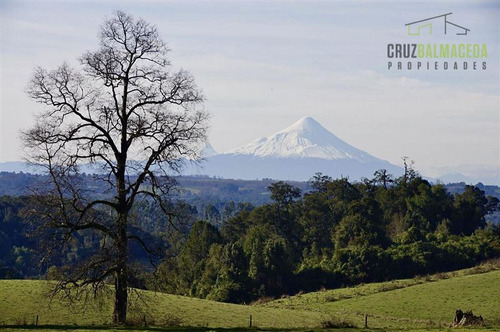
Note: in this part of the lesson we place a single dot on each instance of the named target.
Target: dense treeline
(212, 197)
(340, 233)
(195, 190)
(23, 249)
(16, 250)
(336, 233)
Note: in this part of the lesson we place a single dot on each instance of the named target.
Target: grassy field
(22, 300)
(419, 304)
(427, 302)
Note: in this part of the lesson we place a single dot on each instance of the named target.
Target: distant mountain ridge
(207, 151)
(294, 153)
(306, 138)
(20, 167)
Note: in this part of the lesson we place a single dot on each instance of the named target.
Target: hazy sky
(263, 65)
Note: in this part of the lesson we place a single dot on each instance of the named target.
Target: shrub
(262, 300)
(335, 322)
(330, 298)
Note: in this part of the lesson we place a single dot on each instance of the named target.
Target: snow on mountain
(305, 138)
(294, 153)
(203, 150)
(207, 151)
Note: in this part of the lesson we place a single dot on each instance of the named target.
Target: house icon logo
(439, 24)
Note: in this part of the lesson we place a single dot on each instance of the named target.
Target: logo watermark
(439, 22)
(464, 55)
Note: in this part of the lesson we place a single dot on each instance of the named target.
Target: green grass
(419, 304)
(428, 302)
(22, 300)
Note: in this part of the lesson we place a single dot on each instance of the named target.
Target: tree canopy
(132, 117)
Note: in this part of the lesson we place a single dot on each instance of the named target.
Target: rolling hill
(428, 301)
(420, 303)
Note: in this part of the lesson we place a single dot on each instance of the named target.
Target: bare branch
(126, 113)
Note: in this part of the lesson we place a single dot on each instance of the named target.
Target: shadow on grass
(122, 328)
(147, 328)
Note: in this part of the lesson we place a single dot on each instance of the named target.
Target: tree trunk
(120, 312)
(121, 275)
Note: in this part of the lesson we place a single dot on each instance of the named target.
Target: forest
(334, 233)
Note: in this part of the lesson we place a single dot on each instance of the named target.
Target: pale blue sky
(264, 65)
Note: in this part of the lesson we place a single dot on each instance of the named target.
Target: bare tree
(126, 113)
(383, 177)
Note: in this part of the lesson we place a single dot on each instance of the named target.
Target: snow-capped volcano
(294, 153)
(305, 138)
